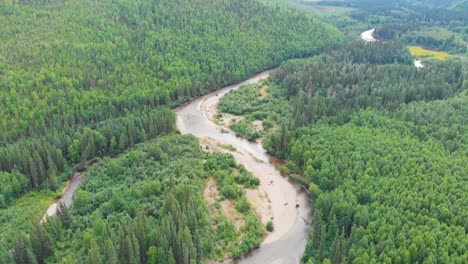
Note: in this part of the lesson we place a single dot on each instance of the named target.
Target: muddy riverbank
(277, 199)
(67, 196)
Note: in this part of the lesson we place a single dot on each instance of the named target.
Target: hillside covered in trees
(86, 79)
(87, 85)
(437, 25)
(146, 206)
(381, 145)
(77, 64)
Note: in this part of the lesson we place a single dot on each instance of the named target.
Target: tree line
(85, 78)
(325, 86)
(145, 206)
(41, 161)
(380, 146)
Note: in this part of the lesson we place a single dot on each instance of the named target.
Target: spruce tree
(33, 173)
(5, 255)
(125, 247)
(94, 254)
(41, 243)
(110, 253)
(135, 250)
(22, 250)
(152, 255)
(64, 215)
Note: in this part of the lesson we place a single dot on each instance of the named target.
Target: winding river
(368, 36)
(286, 204)
(276, 199)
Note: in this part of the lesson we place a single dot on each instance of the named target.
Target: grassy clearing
(460, 6)
(420, 52)
(28, 209)
(435, 32)
(263, 91)
(442, 34)
(311, 7)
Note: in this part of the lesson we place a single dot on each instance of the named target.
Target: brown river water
(286, 204)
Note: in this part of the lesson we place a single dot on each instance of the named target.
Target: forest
(439, 25)
(146, 206)
(81, 64)
(91, 86)
(81, 80)
(381, 146)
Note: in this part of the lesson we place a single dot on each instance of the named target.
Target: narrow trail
(276, 199)
(67, 196)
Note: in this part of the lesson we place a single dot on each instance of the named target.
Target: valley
(233, 131)
(281, 202)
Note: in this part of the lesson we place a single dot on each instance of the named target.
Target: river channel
(286, 204)
(282, 202)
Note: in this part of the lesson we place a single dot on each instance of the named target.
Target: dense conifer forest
(432, 24)
(381, 146)
(146, 206)
(80, 66)
(82, 80)
(91, 86)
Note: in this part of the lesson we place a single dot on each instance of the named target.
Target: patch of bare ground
(226, 120)
(259, 201)
(263, 91)
(232, 214)
(216, 209)
(235, 171)
(258, 198)
(210, 145)
(257, 125)
(211, 196)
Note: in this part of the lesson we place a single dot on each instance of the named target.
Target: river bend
(291, 223)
